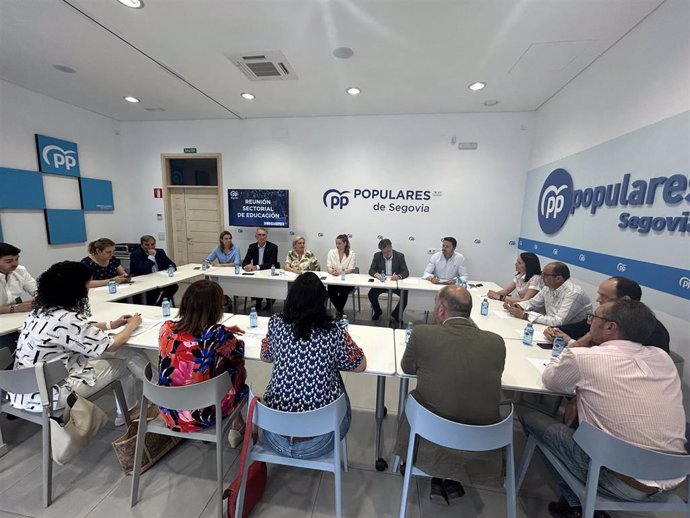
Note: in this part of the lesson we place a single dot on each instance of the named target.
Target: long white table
(260, 283)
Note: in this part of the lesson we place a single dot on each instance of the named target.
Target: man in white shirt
(446, 265)
(626, 389)
(17, 286)
(559, 302)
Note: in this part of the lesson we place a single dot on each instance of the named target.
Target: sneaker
(375, 315)
(454, 490)
(437, 494)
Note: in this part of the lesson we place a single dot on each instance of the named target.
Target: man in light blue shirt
(446, 265)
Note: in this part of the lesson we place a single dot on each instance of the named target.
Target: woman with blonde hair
(300, 260)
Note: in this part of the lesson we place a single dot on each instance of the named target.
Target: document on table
(536, 337)
(539, 364)
(253, 336)
(146, 325)
(410, 280)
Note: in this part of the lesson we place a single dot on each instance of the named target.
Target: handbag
(156, 445)
(80, 421)
(256, 474)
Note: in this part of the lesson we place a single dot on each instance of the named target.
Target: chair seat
(207, 434)
(263, 452)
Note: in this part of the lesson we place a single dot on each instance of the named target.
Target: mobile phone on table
(247, 273)
(545, 345)
(371, 280)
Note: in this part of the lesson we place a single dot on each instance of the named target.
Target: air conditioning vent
(263, 66)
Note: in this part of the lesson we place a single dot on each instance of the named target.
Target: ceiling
(410, 56)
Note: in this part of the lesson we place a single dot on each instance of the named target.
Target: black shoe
(376, 314)
(395, 315)
(454, 490)
(561, 509)
(437, 494)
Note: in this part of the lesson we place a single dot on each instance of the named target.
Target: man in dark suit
(149, 259)
(451, 360)
(392, 263)
(261, 256)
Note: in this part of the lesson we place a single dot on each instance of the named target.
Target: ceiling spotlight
(491, 102)
(248, 96)
(65, 69)
(476, 86)
(343, 52)
(134, 4)
(353, 90)
(130, 99)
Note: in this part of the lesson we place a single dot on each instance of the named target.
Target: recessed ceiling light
(478, 85)
(130, 99)
(353, 90)
(65, 69)
(134, 4)
(343, 52)
(248, 96)
(491, 102)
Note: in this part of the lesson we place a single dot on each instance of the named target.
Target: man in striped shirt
(623, 388)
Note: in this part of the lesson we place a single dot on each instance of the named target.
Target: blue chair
(199, 395)
(458, 436)
(302, 424)
(622, 457)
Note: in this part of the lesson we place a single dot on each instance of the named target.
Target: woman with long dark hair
(226, 253)
(526, 283)
(196, 348)
(59, 328)
(308, 349)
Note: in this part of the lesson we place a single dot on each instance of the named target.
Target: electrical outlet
(431, 251)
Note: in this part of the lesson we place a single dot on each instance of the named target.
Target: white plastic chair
(622, 457)
(458, 436)
(24, 381)
(199, 395)
(302, 424)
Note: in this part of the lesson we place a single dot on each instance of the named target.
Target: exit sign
(190, 150)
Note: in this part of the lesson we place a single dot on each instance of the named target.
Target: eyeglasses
(592, 316)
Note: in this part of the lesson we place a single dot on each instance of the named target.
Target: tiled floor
(183, 483)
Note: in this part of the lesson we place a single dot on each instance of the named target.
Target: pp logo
(684, 283)
(555, 200)
(234, 195)
(335, 199)
(555, 251)
(57, 156)
(621, 267)
(582, 258)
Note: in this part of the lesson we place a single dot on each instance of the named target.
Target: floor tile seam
(18, 480)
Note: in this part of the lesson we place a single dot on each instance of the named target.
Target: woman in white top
(526, 283)
(340, 259)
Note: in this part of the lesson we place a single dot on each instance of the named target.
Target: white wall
(642, 80)
(25, 113)
(481, 190)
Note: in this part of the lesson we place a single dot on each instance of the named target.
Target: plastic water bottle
(342, 274)
(273, 270)
(463, 279)
(458, 280)
(112, 286)
(408, 332)
(558, 346)
(171, 270)
(485, 307)
(383, 275)
(165, 305)
(346, 321)
(204, 265)
(237, 269)
(528, 334)
(253, 318)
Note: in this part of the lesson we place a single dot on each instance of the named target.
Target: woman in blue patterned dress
(308, 349)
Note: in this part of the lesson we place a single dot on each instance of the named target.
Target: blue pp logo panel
(555, 200)
(57, 156)
(65, 226)
(96, 194)
(21, 189)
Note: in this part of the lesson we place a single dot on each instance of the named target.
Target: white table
(421, 294)
(361, 280)
(259, 283)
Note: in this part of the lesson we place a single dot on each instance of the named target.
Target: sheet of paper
(539, 364)
(146, 325)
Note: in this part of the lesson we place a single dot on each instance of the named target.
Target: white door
(196, 223)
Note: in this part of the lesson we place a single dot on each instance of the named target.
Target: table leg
(390, 305)
(381, 463)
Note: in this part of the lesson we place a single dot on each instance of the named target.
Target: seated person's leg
(374, 300)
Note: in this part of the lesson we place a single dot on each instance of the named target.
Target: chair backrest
(458, 436)
(301, 424)
(5, 358)
(629, 459)
(23, 381)
(199, 395)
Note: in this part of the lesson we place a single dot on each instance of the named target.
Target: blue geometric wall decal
(65, 226)
(2, 239)
(57, 156)
(21, 189)
(96, 194)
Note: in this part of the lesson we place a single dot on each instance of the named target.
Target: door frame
(169, 189)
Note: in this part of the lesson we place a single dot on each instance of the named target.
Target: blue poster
(57, 156)
(65, 226)
(21, 189)
(259, 207)
(96, 194)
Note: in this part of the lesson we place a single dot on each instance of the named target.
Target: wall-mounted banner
(96, 194)
(259, 207)
(57, 156)
(379, 200)
(668, 279)
(21, 189)
(559, 199)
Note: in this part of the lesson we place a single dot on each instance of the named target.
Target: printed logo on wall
(555, 200)
(386, 200)
(57, 156)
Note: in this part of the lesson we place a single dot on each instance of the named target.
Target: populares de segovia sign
(57, 156)
(390, 200)
(559, 199)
